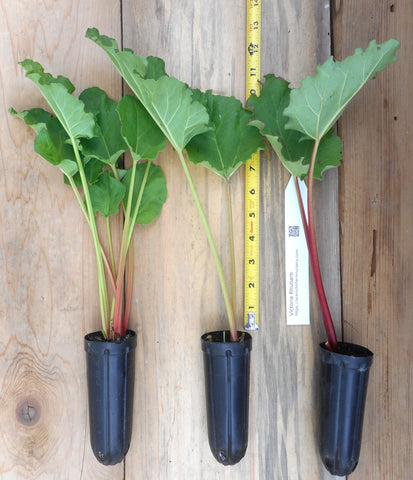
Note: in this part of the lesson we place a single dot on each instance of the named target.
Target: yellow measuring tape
(252, 176)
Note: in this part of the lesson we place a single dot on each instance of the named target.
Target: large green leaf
(106, 194)
(321, 99)
(52, 144)
(140, 132)
(168, 100)
(92, 168)
(230, 141)
(108, 144)
(154, 194)
(156, 68)
(35, 117)
(127, 63)
(291, 146)
(58, 94)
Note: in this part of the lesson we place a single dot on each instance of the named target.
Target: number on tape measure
(252, 176)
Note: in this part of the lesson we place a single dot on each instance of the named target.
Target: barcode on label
(296, 259)
(293, 230)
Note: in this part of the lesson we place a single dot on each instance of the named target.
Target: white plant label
(297, 294)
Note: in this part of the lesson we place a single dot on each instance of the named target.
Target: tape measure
(252, 176)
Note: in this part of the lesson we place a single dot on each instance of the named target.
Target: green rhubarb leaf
(126, 62)
(168, 101)
(92, 168)
(35, 118)
(35, 70)
(154, 194)
(298, 168)
(108, 144)
(321, 99)
(140, 132)
(106, 194)
(230, 141)
(52, 144)
(329, 154)
(292, 147)
(156, 68)
(58, 94)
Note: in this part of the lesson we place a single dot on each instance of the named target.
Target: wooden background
(48, 301)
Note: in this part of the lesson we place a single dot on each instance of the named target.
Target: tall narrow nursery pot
(110, 380)
(344, 378)
(227, 382)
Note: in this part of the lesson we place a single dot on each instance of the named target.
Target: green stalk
(115, 172)
(109, 236)
(128, 227)
(111, 276)
(112, 310)
(103, 295)
(79, 198)
(110, 271)
(128, 293)
(138, 201)
(214, 251)
(232, 247)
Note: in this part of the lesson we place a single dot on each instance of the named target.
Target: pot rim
(100, 345)
(351, 356)
(91, 337)
(219, 333)
(218, 347)
(353, 349)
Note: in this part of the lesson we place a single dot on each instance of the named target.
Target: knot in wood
(28, 411)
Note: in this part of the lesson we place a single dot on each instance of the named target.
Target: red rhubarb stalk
(309, 230)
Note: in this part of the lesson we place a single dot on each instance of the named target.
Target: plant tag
(296, 259)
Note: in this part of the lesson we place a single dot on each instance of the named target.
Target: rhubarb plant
(85, 138)
(298, 123)
(211, 130)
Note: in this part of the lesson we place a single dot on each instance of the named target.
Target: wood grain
(49, 294)
(177, 294)
(49, 298)
(376, 222)
(286, 388)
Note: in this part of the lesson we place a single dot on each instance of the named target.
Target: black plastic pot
(344, 378)
(227, 380)
(110, 380)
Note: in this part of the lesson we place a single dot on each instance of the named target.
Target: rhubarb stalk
(310, 236)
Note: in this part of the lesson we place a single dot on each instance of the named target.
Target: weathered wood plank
(177, 293)
(376, 204)
(177, 296)
(288, 384)
(49, 291)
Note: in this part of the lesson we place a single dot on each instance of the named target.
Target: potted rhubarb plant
(211, 130)
(85, 137)
(298, 124)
